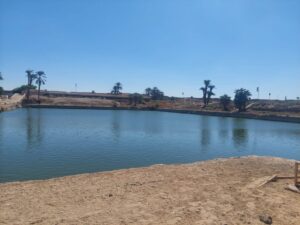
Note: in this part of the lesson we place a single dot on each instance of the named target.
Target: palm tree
(135, 98)
(116, 89)
(148, 91)
(40, 80)
(207, 91)
(210, 93)
(1, 88)
(30, 78)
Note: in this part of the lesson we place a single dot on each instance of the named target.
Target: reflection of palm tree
(33, 126)
(223, 129)
(116, 123)
(29, 126)
(205, 132)
(240, 133)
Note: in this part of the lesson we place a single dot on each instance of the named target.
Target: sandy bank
(211, 192)
(246, 115)
(11, 103)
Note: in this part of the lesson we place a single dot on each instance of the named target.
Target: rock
(265, 219)
(110, 195)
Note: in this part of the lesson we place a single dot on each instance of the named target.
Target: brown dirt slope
(213, 192)
(13, 102)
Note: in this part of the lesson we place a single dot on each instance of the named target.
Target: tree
(22, 89)
(148, 91)
(225, 101)
(40, 80)
(1, 88)
(135, 98)
(207, 92)
(156, 94)
(242, 96)
(116, 89)
(31, 76)
(210, 93)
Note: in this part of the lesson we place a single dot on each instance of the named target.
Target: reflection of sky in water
(41, 143)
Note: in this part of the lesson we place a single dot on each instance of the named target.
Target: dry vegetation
(224, 191)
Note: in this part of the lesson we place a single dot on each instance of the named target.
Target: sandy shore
(224, 191)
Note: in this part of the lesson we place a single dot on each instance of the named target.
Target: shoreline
(221, 159)
(245, 115)
(218, 191)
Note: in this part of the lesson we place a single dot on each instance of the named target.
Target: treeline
(241, 96)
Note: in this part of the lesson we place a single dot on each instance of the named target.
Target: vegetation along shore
(242, 106)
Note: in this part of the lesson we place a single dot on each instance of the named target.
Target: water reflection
(153, 123)
(116, 120)
(122, 139)
(34, 131)
(223, 132)
(240, 133)
(205, 131)
(1, 131)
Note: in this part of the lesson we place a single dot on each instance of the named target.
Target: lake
(46, 143)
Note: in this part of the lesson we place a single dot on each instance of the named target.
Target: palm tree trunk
(28, 87)
(39, 93)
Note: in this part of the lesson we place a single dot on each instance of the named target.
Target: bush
(225, 101)
(242, 96)
(22, 89)
(1, 90)
(135, 99)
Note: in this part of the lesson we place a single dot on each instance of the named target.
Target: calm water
(44, 143)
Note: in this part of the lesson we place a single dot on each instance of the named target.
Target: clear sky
(171, 44)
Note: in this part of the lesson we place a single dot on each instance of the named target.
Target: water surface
(45, 143)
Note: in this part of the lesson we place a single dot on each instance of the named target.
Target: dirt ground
(223, 191)
(10, 103)
(68, 101)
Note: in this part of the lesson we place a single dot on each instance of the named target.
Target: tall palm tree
(210, 93)
(148, 91)
(40, 80)
(1, 88)
(30, 78)
(116, 89)
(205, 91)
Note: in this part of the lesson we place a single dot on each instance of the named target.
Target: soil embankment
(223, 191)
(11, 103)
(262, 110)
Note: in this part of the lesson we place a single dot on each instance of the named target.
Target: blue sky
(171, 44)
